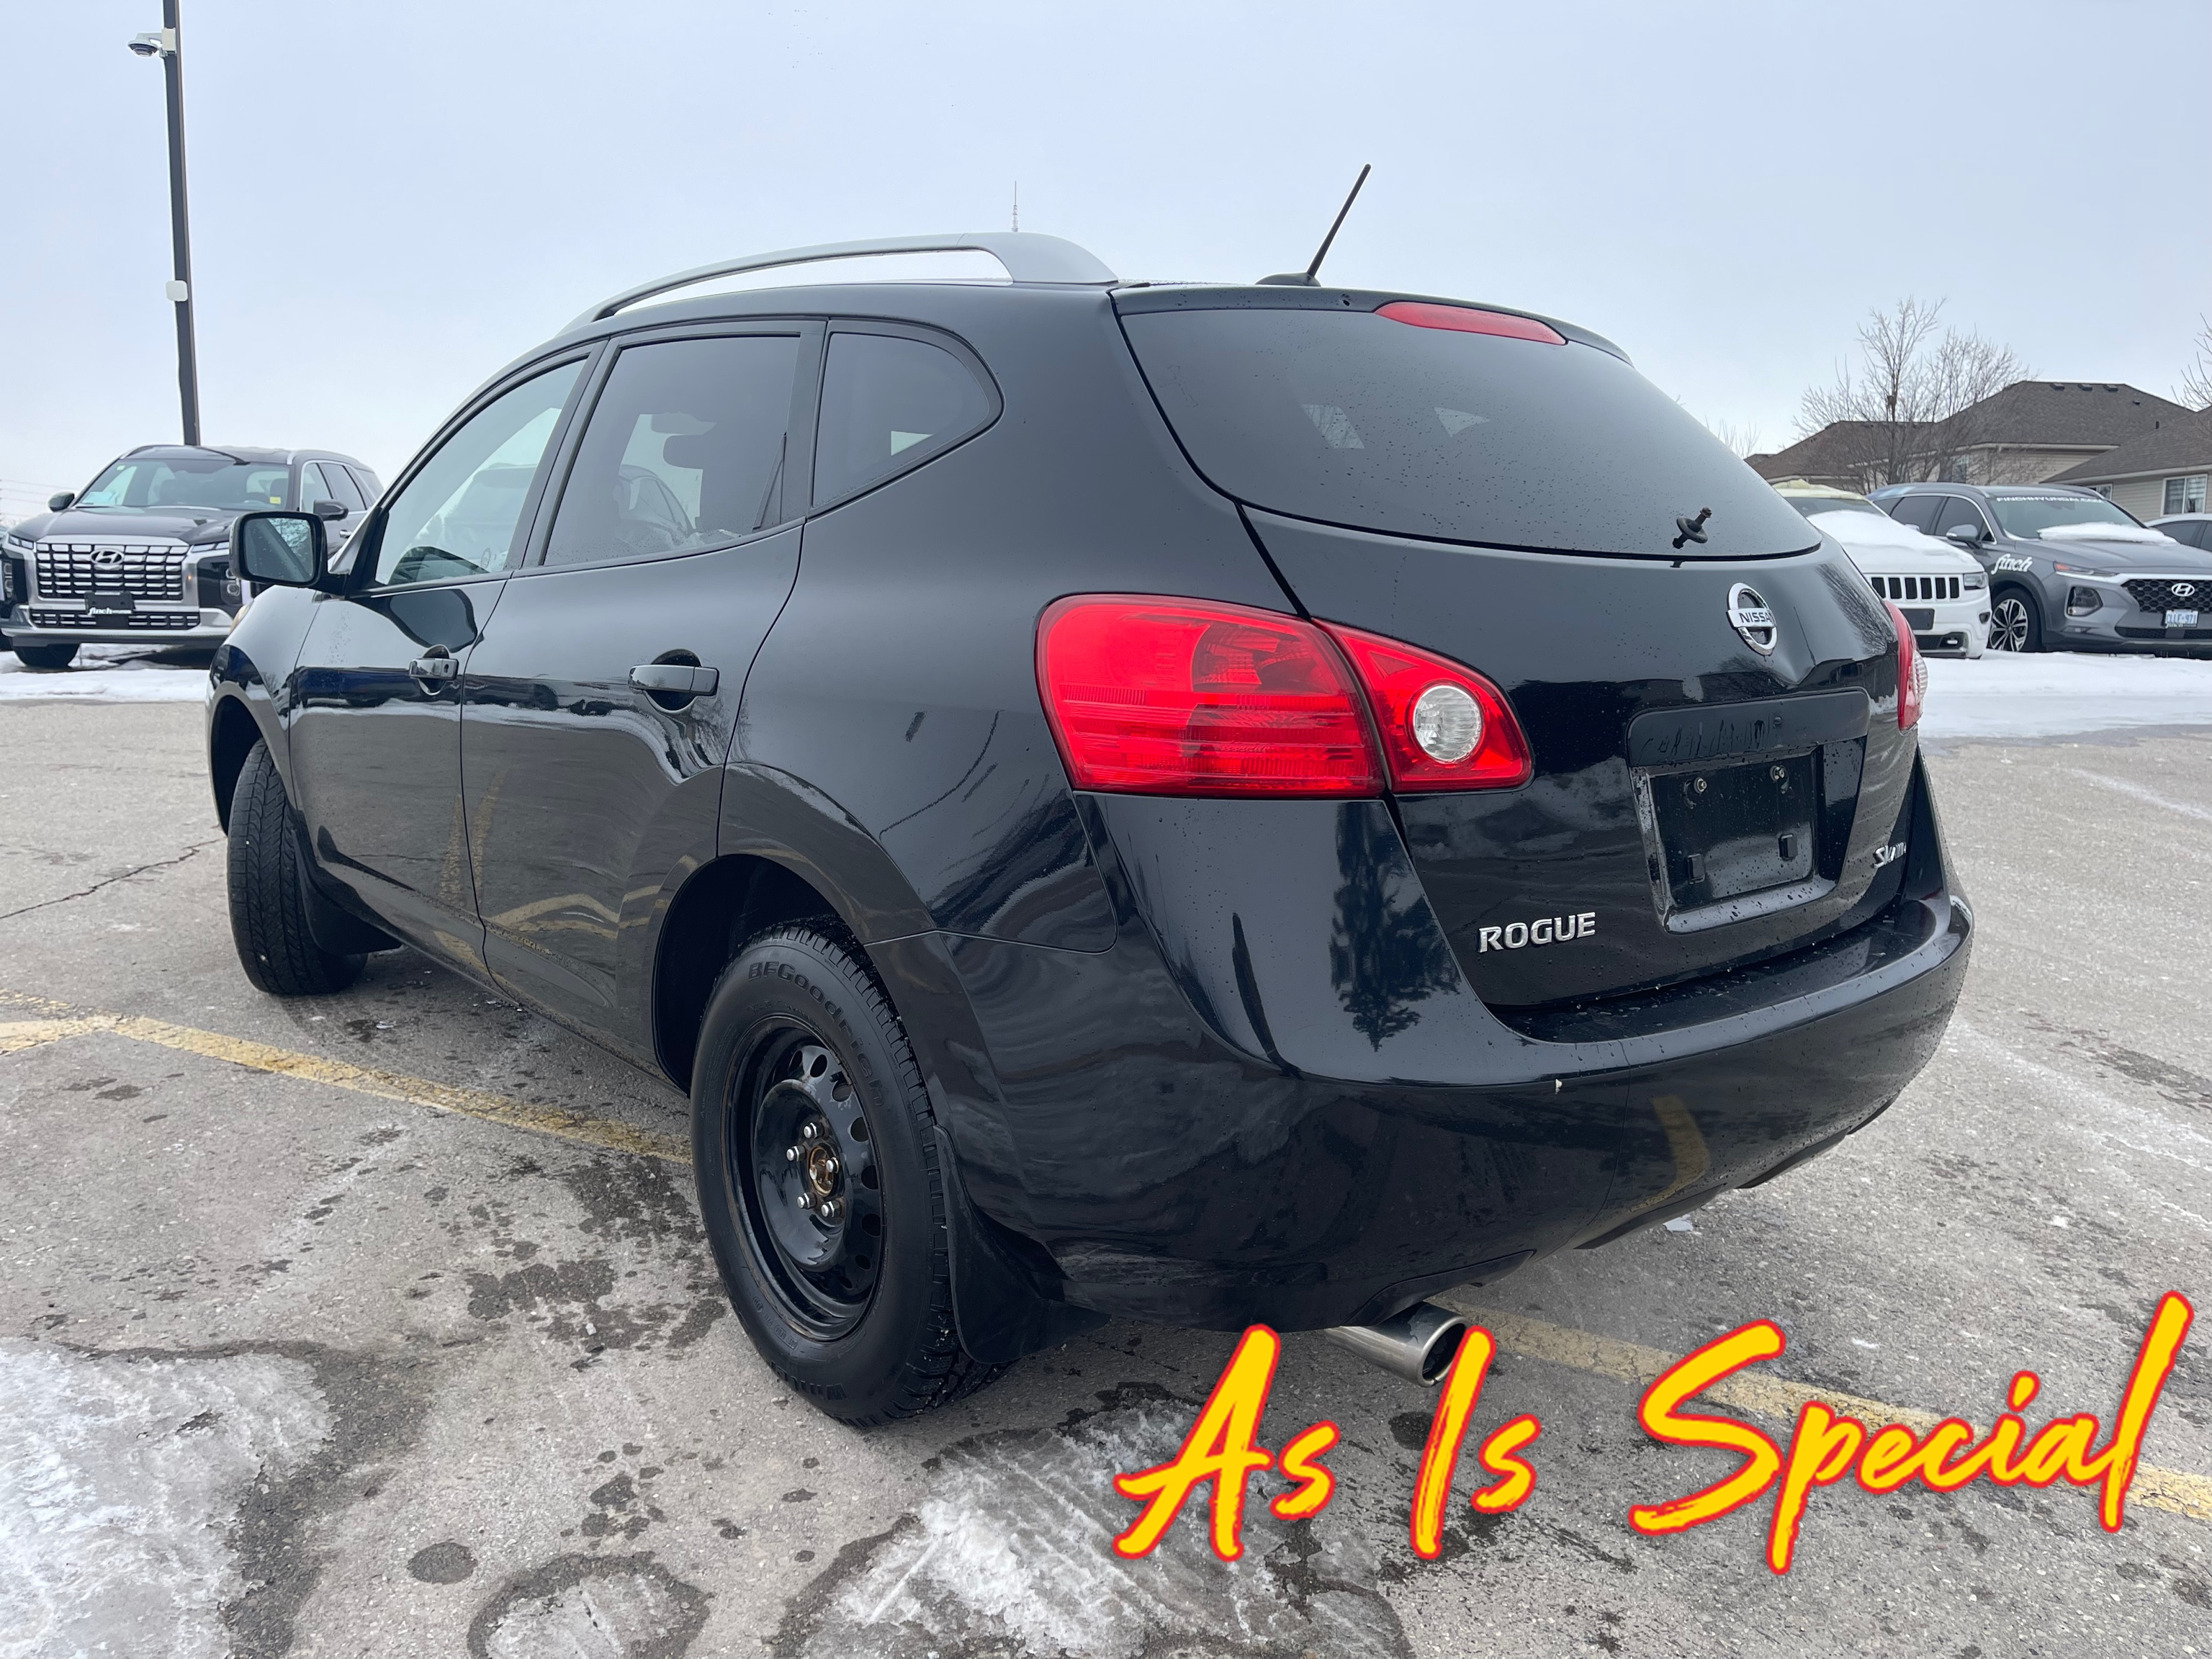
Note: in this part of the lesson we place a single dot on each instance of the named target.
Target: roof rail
(1027, 256)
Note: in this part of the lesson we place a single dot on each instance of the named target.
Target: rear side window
(1357, 419)
(684, 451)
(890, 402)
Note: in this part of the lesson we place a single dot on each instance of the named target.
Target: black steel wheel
(2014, 625)
(798, 1142)
(817, 1157)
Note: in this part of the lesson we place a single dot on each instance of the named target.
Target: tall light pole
(164, 46)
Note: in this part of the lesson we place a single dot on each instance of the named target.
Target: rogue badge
(1748, 614)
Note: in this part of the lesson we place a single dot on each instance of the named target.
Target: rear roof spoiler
(1028, 257)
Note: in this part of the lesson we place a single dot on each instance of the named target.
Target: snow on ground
(119, 1481)
(109, 673)
(2062, 694)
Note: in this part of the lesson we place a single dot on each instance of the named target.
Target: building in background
(2028, 433)
(2165, 470)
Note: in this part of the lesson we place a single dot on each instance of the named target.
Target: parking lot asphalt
(382, 1324)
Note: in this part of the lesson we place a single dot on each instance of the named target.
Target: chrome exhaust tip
(1417, 1345)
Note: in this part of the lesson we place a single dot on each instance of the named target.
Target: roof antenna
(1017, 225)
(1305, 278)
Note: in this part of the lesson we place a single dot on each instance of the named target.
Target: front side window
(346, 493)
(684, 451)
(458, 516)
(1919, 511)
(1956, 510)
(2028, 517)
(890, 403)
(190, 478)
(2185, 495)
(314, 487)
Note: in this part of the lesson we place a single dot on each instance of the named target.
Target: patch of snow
(105, 673)
(2062, 694)
(119, 1479)
(1857, 530)
(2106, 532)
(1012, 1551)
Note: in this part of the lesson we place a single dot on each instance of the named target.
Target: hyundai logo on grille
(2184, 590)
(1748, 614)
(108, 558)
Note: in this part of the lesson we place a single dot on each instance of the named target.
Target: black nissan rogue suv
(1207, 803)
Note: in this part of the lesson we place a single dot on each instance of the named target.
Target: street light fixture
(163, 44)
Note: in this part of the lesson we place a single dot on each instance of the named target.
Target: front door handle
(675, 680)
(434, 667)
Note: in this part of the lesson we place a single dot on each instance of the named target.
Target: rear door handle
(677, 679)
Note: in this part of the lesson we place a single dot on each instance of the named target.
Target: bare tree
(1743, 440)
(1907, 412)
(2196, 387)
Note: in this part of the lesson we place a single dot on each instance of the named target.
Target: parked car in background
(1254, 803)
(141, 555)
(2190, 529)
(1941, 587)
(2067, 569)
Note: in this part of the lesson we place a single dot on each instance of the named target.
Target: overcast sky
(390, 200)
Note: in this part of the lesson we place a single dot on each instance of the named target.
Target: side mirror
(56, 502)
(330, 509)
(279, 550)
(1969, 535)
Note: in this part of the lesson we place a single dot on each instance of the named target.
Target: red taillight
(1185, 697)
(1911, 671)
(1466, 319)
(1442, 726)
(1189, 697)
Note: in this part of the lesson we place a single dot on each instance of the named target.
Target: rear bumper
(1207, 1125)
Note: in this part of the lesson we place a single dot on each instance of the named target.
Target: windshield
(1811, 505)
(184, 480)
(2029, 516)
(1359, 419)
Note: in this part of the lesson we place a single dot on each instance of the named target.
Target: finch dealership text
(1222, 1446)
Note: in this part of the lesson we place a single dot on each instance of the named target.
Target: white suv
(1941, 587)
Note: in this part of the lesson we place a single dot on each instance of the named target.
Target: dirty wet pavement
(293, 1367)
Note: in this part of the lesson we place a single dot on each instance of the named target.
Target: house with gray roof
(2026, 434)
(2164, 470)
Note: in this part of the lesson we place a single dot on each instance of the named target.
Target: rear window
(1356, 419)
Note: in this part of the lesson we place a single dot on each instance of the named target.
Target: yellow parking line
(2184, 1494)
(1768, 1395)
(19, 1035)
(341, 1074)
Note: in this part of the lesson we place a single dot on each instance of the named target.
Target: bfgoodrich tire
(268, 892)
(817, 1159)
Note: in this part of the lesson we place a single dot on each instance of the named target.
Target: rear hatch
(1524, 501)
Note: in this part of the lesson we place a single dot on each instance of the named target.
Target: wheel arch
(724, 903)
(232, 731)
